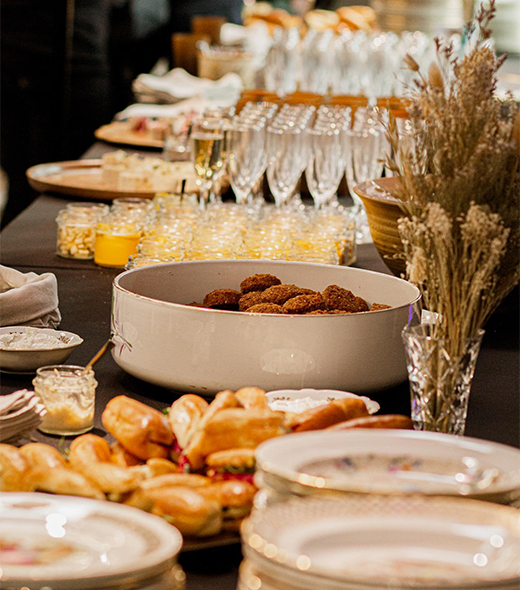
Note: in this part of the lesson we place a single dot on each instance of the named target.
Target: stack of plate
(429, 16)
(65, 543)
(390, 462)
(381, 542)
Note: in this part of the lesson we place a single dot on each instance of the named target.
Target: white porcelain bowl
(301, 397)
(27, 360)
(162, 341)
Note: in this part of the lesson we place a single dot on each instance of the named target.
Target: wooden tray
(81, 178)
(121, 132)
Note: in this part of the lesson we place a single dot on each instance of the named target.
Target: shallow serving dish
(67, 543)
(27, 360)
(200, 350)
(389, 462)
(377, 542)
(317, 395)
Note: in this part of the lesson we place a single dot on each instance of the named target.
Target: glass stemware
(364, 161)
(246, 158)
(284, 167)
(208, 144)
(326, 164)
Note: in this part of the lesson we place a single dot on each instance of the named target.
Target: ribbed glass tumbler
(440, 371)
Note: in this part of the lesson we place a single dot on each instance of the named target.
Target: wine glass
(208, 143)
(284, 160)
(246, 157)
(364, 161)
(326, 164)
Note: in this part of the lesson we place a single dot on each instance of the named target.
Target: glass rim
(412, 331)
(65, 368)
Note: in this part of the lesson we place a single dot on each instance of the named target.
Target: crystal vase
(440, 371)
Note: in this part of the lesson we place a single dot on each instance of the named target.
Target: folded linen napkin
(20, 412)
(177, 85)
(28, 299)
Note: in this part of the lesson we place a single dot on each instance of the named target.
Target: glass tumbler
(68, 394)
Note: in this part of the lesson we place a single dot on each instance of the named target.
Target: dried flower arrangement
(460, 190)
(460, 185)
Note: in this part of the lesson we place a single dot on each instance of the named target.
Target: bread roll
(90, 455)
(387, 421)
(325, 416)
(120, 456)
(191, 512)
(158, 466)
(231, 493)
(15, 471)
(51, 473)
(184, 417)
(141, 430)
(187, 480)
(353, 19)
(233, 427)
(252, 397)
(237, 458)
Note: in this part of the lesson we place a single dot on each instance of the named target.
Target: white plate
(391, 462)
(373, 540)
(318, 395)
(27, 360)
(74, 543)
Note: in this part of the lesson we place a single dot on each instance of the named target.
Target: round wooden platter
(121, 132)
(82, 178)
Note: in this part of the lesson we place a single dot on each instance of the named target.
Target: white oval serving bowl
(393, 462)
(27, 360)
(160, 339)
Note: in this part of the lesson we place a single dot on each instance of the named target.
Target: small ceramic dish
(389, 462)
(27, 360)
(299, 400)
(377, 542)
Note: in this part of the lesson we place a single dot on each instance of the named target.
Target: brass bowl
(383, 211)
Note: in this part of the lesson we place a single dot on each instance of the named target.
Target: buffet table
(28, 244)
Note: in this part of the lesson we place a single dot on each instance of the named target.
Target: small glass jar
(117, 237)
(68, 393)
(96, 209)
(76, 234)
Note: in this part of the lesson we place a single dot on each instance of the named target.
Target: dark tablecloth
(28, 244)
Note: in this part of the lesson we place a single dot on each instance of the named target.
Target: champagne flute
(246, 157)
(207, 158)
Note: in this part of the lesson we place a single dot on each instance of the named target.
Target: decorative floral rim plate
(413, 542)
(76, 543)
(319, 395)
(390, 462)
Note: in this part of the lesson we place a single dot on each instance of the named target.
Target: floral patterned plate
(380, 542)
(390, 462)
(71, 543)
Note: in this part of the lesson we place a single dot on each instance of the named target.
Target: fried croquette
(223, 299)
(327, 312)
(259, 283)
(249, 299)
(265, 308)
(279, 294)
(360, 305)
(304, 304)
(377, 306)
(339, 298)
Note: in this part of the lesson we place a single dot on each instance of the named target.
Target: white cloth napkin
(20, 412)
(198, 105)
(177, 85)
(28, 299)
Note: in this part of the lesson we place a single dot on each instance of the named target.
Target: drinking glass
(326, 164)
(284, 160)
(207, 158)
(246, 160)
(364, 161)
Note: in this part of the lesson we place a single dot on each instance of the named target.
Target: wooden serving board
(82, 178)
(121, 132)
